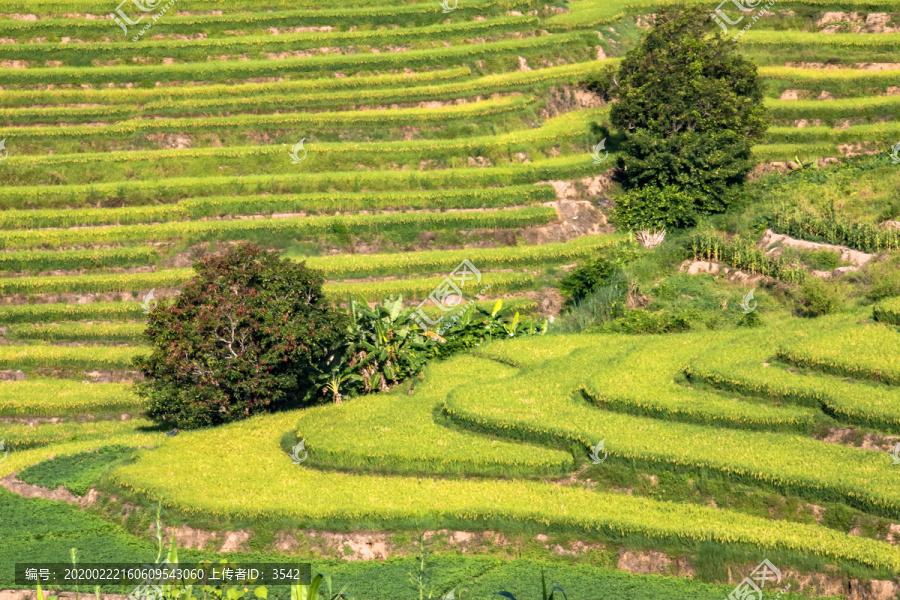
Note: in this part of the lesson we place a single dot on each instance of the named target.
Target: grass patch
(75, 472)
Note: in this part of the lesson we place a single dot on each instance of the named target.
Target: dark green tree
(690, 108)
(242, 338)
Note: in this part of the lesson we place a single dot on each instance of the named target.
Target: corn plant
(833, 230)
(743, 254)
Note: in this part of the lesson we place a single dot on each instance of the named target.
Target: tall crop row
(28, 98)
(285, 99)
(231, 70)
(337, 202)
(416, 14)
(134, 193)
(184, 50)
(311, 121)
(45, 260)
(434, 261)
(197, 231)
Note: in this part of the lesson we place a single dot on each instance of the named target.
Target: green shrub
(816, 298)
(822, 260)
(750, 319)
(586, 279)
(882, 279)
(652, 208)
(652, 322)
(476, 326)
(243, 337)
(388, 344)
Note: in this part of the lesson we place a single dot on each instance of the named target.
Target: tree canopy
(244, 336)
(690, 107)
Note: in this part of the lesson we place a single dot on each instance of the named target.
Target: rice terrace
(456, 299)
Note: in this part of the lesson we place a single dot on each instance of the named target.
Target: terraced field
(430, 135)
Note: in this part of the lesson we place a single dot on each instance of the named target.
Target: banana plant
(803, 165)
(333, 372)
(387, 340)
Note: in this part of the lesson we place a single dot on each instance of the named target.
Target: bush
(652, 208)
(817, 298)
(883, 279)
(750, 319)
(243, 337)
(586, 279)
(605, 303)
(822, 260)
